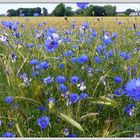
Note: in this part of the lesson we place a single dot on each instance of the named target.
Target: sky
(51, 6)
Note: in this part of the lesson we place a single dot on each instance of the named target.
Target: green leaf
(71, 121)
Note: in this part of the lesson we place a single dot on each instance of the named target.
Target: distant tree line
(62, 10)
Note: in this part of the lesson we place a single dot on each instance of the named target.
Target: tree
(79, 12)
(68, 11)
(98, 10)
(59, 10)
(89, 10)
(45, 12)
(110, 10)
(11, 12)
(128, 11)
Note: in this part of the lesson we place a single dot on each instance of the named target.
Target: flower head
(60, 79)
(74, 79)
(9, 99)
(97, 59)
(129, 109)
(73, 98)
(132, 89)
(83, 96)
(82, 5)
(82, 59)
(44, 65)
(51, 44)
(43, 122)
(48, 80)
(117, 79)
(8, 134)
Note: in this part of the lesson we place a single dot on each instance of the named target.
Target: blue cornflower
(97, 59)
(8, 134)
(30, 45)
(48, 80)
(74, 59)
(129, 109)
(83, 96)
(114, 35)
(36, 73)
(50, 44)
(51, 99)
(85, 25)
(108, 54)
(43, 122)
(44, 65)
(119, 91)
(82, 5)
(72, 135)
(62, 88)
(14, 27)
(73, 98)
(82, 59)
(125, 55)
(93, 33)
(33, 62)
(41, 108)
(9, 99)
(74, 79)
(60, 79)
(117, 79)
(1, 123)
(99, 49)
(61, 65)
(132, 89)
(68, 53)
(107, 40)
(138, 33)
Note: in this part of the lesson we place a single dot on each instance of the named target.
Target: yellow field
(108, 23)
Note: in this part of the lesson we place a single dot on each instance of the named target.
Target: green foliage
(110, 10)
(128, 11)
(59, 10)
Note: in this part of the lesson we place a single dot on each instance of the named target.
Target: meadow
(74, 77)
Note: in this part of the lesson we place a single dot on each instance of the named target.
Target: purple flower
(125, 55)
(51, 99)
(85, 25)
(74, 79)
(138, 33)
(48, 80)
(44, 65)
(117, 79)
(129, 109)
(62, 88)
(72, 135)
(97, 59)
(41, 108)
(50, 44)
(114, 35)
(60, 79)
(82, 59)
(82, 5)
(73, 98)
(33, 62)
(8, 134)
(83, 96)
(132, 89)
(9, 99)
(30, 45)
(43, 122)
